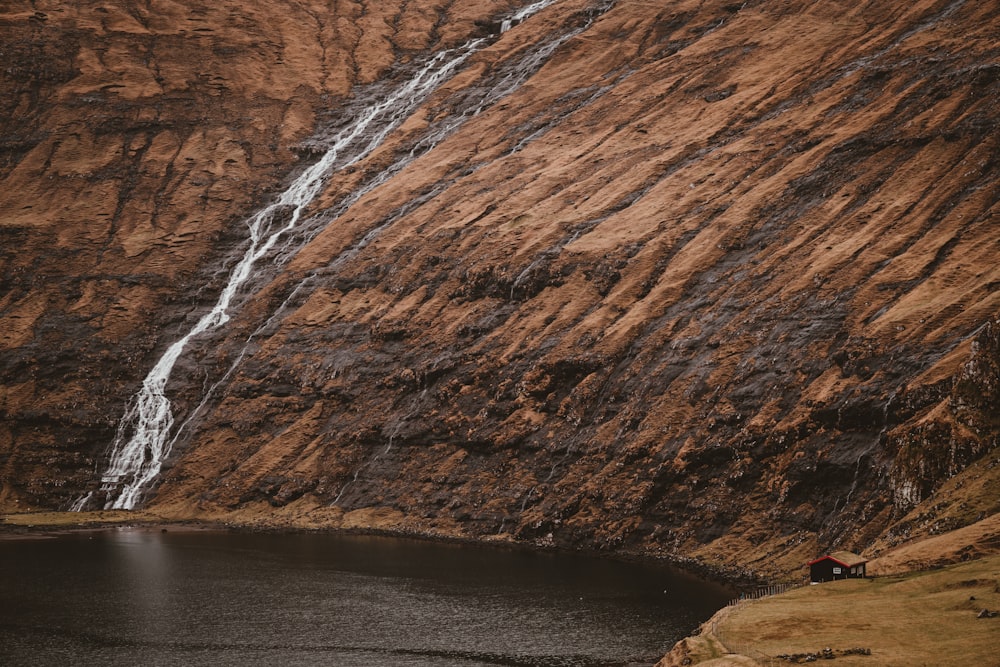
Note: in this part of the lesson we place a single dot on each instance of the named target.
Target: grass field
(921, 618)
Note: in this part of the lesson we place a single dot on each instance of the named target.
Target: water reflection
(217, 598)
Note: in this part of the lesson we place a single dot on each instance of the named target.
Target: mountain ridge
(715, 280)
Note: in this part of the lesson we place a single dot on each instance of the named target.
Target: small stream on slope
(146, 432)
(141, 596)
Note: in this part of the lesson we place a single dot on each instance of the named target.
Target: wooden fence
(743, 648)
(763, 592)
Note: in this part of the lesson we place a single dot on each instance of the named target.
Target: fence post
(758, 594)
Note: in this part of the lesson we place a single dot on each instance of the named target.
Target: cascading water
(524, 13)
(136, 459)
(143, 439)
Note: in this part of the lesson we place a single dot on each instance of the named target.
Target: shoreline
(920, 605)
(52, 524)
(741, 634)
(921, 617)
(47, 529)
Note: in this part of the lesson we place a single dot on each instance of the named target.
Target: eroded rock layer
(717, 279)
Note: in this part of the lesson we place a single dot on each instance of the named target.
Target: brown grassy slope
(718, 276)
(719, 298)
(134, 137)
(921, 618)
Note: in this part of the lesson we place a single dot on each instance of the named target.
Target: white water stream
(143, 439)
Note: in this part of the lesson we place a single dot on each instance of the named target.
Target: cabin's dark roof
(845, 558)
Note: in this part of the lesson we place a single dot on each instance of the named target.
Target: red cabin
(837, 565)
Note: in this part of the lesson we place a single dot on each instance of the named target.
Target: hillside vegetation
(715, 281)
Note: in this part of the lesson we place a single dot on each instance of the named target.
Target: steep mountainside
(705, 278)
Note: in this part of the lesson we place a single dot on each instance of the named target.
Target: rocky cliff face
(713, 279)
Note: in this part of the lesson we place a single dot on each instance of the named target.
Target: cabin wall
(829, 570)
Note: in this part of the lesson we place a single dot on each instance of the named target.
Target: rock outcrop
(718, 280)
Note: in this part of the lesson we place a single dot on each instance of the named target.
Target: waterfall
(144, 436)
(521, 14)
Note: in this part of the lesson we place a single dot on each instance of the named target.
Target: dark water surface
(143, 597)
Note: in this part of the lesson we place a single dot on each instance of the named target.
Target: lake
(187, 597)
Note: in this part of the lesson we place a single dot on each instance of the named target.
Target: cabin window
(836, 570)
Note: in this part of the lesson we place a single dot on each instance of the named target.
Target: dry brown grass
(922, 618)
(74, 519)
(967, 543)
(18, 525)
